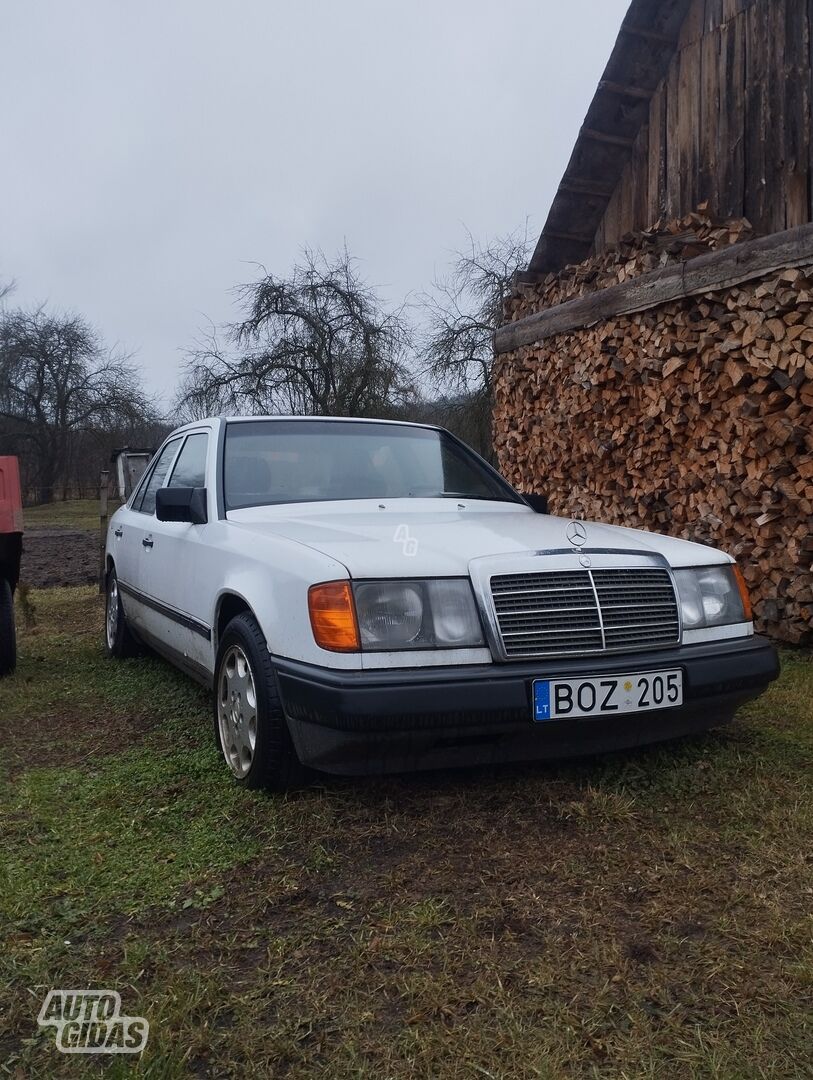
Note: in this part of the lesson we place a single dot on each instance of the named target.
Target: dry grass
(70, 514)
(641, 915)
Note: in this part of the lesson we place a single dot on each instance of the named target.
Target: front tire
(250, 727)
(8, 633)
(118, 639)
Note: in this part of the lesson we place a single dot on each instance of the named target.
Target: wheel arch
(229, 605)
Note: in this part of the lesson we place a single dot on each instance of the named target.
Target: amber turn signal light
(333, 616)
(744, 594)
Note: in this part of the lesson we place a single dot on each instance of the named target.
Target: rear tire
(8, 632)
(118, 639)
(251, 731)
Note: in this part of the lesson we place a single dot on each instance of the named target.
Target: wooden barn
(655, 364)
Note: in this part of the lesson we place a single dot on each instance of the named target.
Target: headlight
(390, 614)
(438, 614)
(712, 596)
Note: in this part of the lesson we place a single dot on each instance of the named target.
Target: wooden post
(102, 526)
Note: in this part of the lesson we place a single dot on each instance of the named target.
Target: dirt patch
(67, 740)
(56, 556)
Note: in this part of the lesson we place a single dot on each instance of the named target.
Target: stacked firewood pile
(694, 418)
(637, 253)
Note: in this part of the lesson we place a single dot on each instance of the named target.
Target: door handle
(147, 542)
(118, 533)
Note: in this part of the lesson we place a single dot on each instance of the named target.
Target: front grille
(582, 611)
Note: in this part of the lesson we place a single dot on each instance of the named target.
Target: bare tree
(462, 311)
(319, 342)
(58, 382)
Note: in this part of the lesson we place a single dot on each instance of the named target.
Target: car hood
(440, 537)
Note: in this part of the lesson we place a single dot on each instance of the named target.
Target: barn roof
(646, 43)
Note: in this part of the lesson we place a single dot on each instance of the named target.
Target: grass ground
(72, 514)
(644, 915)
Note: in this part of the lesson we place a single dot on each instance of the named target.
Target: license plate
(607, 695)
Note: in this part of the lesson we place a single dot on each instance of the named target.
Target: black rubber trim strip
(176, 616)
(220, 459)
(743, 652)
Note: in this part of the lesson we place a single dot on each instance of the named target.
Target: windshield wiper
(478, 498)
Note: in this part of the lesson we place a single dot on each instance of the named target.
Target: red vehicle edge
(11, 547)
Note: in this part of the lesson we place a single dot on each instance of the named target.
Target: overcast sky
(153, 151)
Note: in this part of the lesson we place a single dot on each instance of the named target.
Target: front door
(136, 542)
(177, 608)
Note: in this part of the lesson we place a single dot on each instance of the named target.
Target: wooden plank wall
(730, 123)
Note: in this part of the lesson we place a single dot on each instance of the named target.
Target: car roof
(212, 420)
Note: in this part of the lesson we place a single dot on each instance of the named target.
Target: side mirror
(181, 504)
(538, 503)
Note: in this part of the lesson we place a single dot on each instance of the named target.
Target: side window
(190, 468)
(146, 502)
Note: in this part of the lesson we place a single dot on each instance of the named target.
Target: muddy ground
(59, 556)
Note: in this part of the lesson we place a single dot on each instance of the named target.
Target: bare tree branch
(319, 342)
(59, 384)
(462, 311)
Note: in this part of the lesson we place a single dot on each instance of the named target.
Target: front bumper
(365, 722)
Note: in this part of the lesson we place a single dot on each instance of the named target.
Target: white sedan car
(369, 596)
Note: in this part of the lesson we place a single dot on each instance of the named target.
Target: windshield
(279, 461)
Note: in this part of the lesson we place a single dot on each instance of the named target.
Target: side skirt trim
(170, 613)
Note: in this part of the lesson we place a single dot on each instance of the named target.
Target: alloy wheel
(237, 711)
(112, 618)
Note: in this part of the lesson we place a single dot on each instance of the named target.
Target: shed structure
(655, 364)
